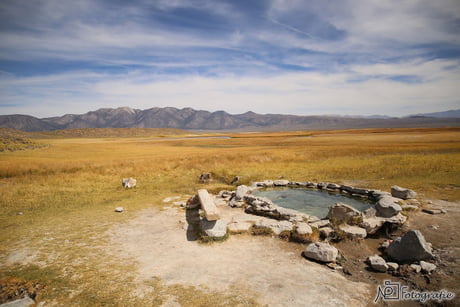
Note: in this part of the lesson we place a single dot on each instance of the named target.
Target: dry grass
(67, 193)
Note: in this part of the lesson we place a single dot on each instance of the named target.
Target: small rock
(205, 178)
(280, 183)
(434, 227)
(119, 209)
(433, 211)
(128, 183)
(353, 232)
(322, 252)
(402, 193)
(392, 266)
(427, 267)
(235, 180)
(333, 186)
(20, 213)
(417, 268)
(386, 243)
(377, 263)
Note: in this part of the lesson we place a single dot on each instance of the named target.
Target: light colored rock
(23, 302)
(214, 229)
(265, 183)
(303, 229)
(322, 252)
(417, 268)
(280, 183)
(236, 204)
(392, 266)
(343, 213)
(277, 227)
(403, 193)
(241, 227)
(409, 248)
(387, 207)
(377, 263)
(208, 206)
(353, 232)
(119, 209)
(427, 267)
(128, 183)
(241, 191)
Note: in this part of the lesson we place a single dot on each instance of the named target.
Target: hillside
(190, 119)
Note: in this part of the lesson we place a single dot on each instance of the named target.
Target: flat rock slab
(208, 205)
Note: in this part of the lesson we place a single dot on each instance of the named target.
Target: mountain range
(190, 119)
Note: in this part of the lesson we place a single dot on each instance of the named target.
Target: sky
(305, 57)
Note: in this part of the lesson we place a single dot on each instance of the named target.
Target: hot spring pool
(312, 202)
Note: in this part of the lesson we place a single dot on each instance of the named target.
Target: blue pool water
(312, 202)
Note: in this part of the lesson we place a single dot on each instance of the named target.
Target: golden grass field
(67, 191)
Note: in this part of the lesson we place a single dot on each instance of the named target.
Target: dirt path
(157, 240)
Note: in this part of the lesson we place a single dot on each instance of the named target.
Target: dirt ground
(162, 245)
(272, 268)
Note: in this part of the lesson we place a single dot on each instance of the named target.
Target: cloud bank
(291, 57)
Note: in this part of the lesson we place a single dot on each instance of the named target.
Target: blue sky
(343, 57)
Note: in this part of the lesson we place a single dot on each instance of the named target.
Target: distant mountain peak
(188, 118)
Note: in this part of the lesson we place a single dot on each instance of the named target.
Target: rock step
(208, 205)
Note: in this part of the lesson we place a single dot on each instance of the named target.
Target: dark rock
(409, 248)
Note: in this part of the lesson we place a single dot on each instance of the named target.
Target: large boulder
(402, 192)
(344, 213)
(322, 252)
(128, 183)
(409, 248)
(387, 206)
(377, 263)
(213, 229)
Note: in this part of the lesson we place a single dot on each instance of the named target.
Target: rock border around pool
(386, 211)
